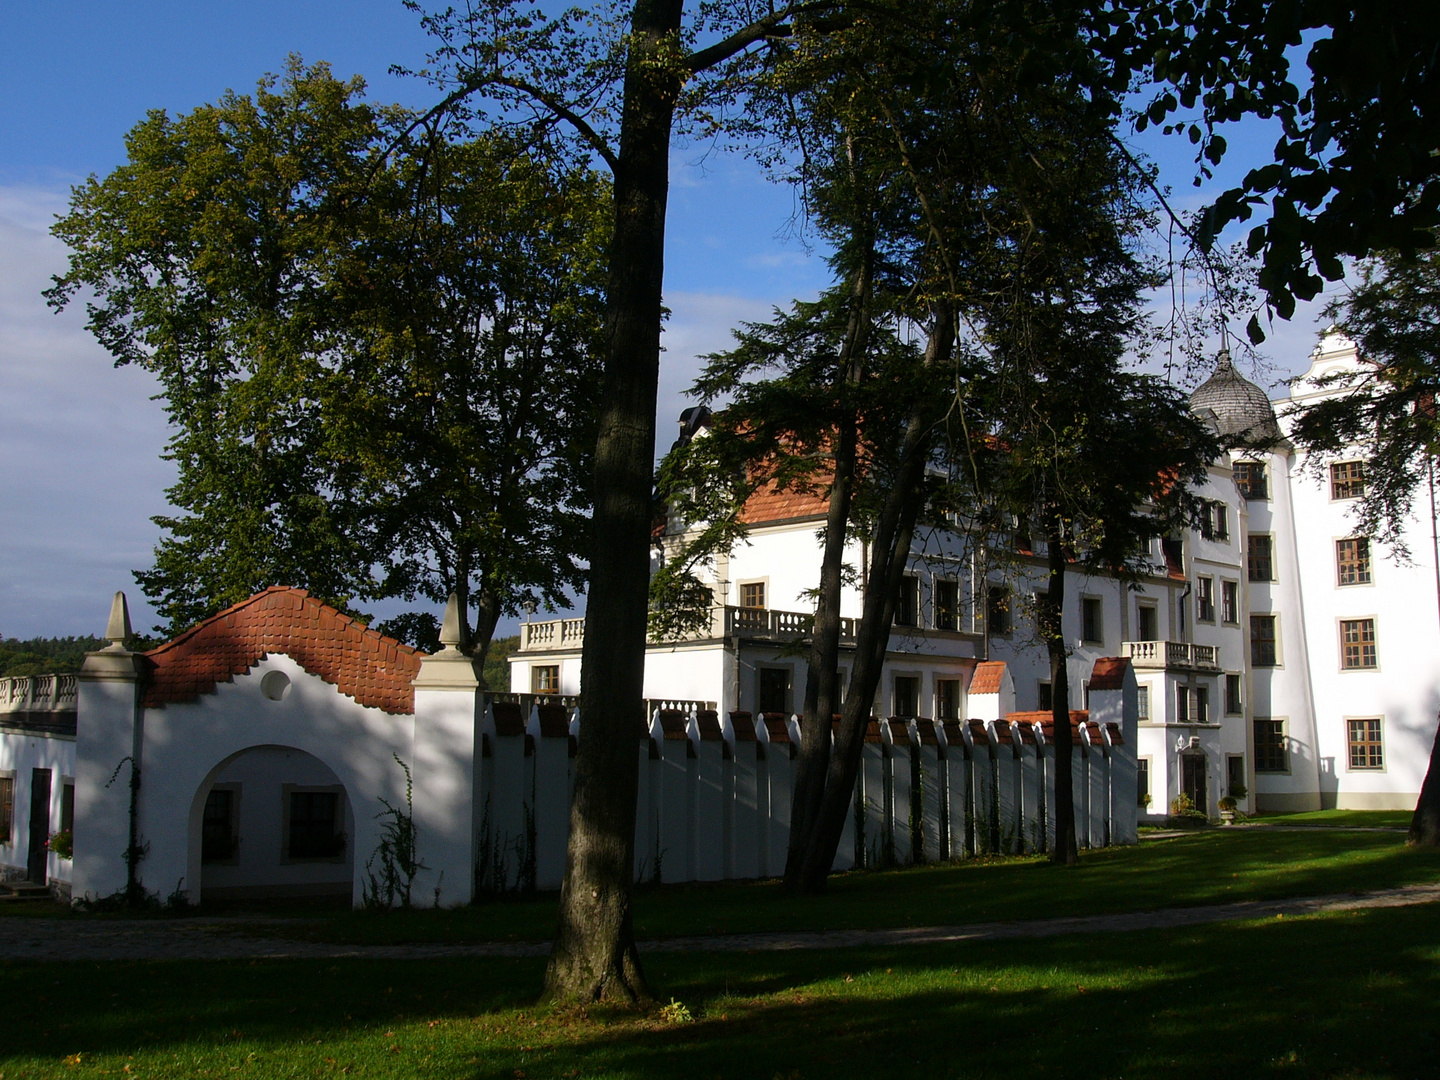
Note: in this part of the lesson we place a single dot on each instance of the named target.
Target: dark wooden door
(39, 824)
(1193, 781)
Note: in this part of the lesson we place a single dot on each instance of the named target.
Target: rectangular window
(1357, 644)
(1347, 480)
(1263, 652)
(1182, 705)
(1221, 524)
(906, 696)
(997, 610)
(1142, 703)
(752, 594)
(1352, 561)
(314, 831)
(947, 604)
(1149, 623)
(1205, 599)
(7, 808)
(1202, 705)
(1215, 521)
(1230, 601)
(545, 679)
(1092, 619)
(907, 604)
(1250, 479)
(1233, 705)
(1044, 696)
(1366, 751)
(1271, 754)
(1260, 558)
(67, 806)
(218, 839)
(1235, 776)
(1142, 783)
(947, 699)
(774, 690)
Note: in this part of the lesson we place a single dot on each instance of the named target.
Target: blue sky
(81, 441)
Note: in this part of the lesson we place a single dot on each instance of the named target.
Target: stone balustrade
(1171, 655)
(38, 693)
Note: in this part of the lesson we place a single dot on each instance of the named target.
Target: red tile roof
(364, 664)
(988, 676)
(1046, 723)
(1109, 673)
(769, 505)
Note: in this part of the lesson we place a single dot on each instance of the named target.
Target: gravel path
(232, 939)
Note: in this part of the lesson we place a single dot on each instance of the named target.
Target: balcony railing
(38, 693)
(724, 622)
(1172, 655)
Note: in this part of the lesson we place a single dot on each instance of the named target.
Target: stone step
(23, 890)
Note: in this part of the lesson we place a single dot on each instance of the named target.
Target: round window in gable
(275, 685)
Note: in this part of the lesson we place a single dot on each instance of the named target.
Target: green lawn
(1217, 866)
(1341, 997)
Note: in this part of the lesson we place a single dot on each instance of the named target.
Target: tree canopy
(374, 352)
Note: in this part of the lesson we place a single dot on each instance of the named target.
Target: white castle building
(1281, 659)
(274, 748)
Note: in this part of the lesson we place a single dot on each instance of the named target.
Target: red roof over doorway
(364, 664)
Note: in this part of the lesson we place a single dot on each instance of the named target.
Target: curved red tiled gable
(364, 664)
(988, 676)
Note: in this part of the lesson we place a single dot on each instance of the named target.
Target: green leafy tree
(375, 356)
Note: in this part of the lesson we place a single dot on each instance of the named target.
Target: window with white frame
(947, 699)
(1357, 645)
(1230, 602)
(1271, 752)
(1347, 479)
(947, 604)
(545, 679)
(1205, 599)
(1367, 750)
(1352, 561)
(1142, 703)
(1092, 616)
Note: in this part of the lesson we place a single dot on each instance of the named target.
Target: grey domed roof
(1243, 413)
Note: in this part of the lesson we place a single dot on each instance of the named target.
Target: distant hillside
(497, 671)
(44, 656)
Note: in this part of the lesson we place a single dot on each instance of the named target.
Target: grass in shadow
(1242, 1000)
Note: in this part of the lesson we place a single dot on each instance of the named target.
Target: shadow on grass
(1338, 996)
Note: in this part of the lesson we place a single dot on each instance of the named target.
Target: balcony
(1171, 656)
(742, 622)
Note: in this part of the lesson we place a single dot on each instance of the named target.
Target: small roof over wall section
(364, 664)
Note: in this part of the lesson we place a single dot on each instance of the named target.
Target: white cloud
(81, 442)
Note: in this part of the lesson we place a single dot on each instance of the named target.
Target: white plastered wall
(20, 754)
(189, 745)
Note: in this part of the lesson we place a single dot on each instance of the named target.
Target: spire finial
(118, 628)
(450, 636)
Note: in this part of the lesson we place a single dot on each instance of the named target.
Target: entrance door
(1192, 781)
(39, 824)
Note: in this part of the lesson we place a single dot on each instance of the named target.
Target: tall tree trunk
(1053, 623)
(822, 683)
(1425, 825)
(890, 554)
(594, 956)
(487, 614)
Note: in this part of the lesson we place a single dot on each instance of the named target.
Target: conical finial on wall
(450, 628)
(118, 629)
